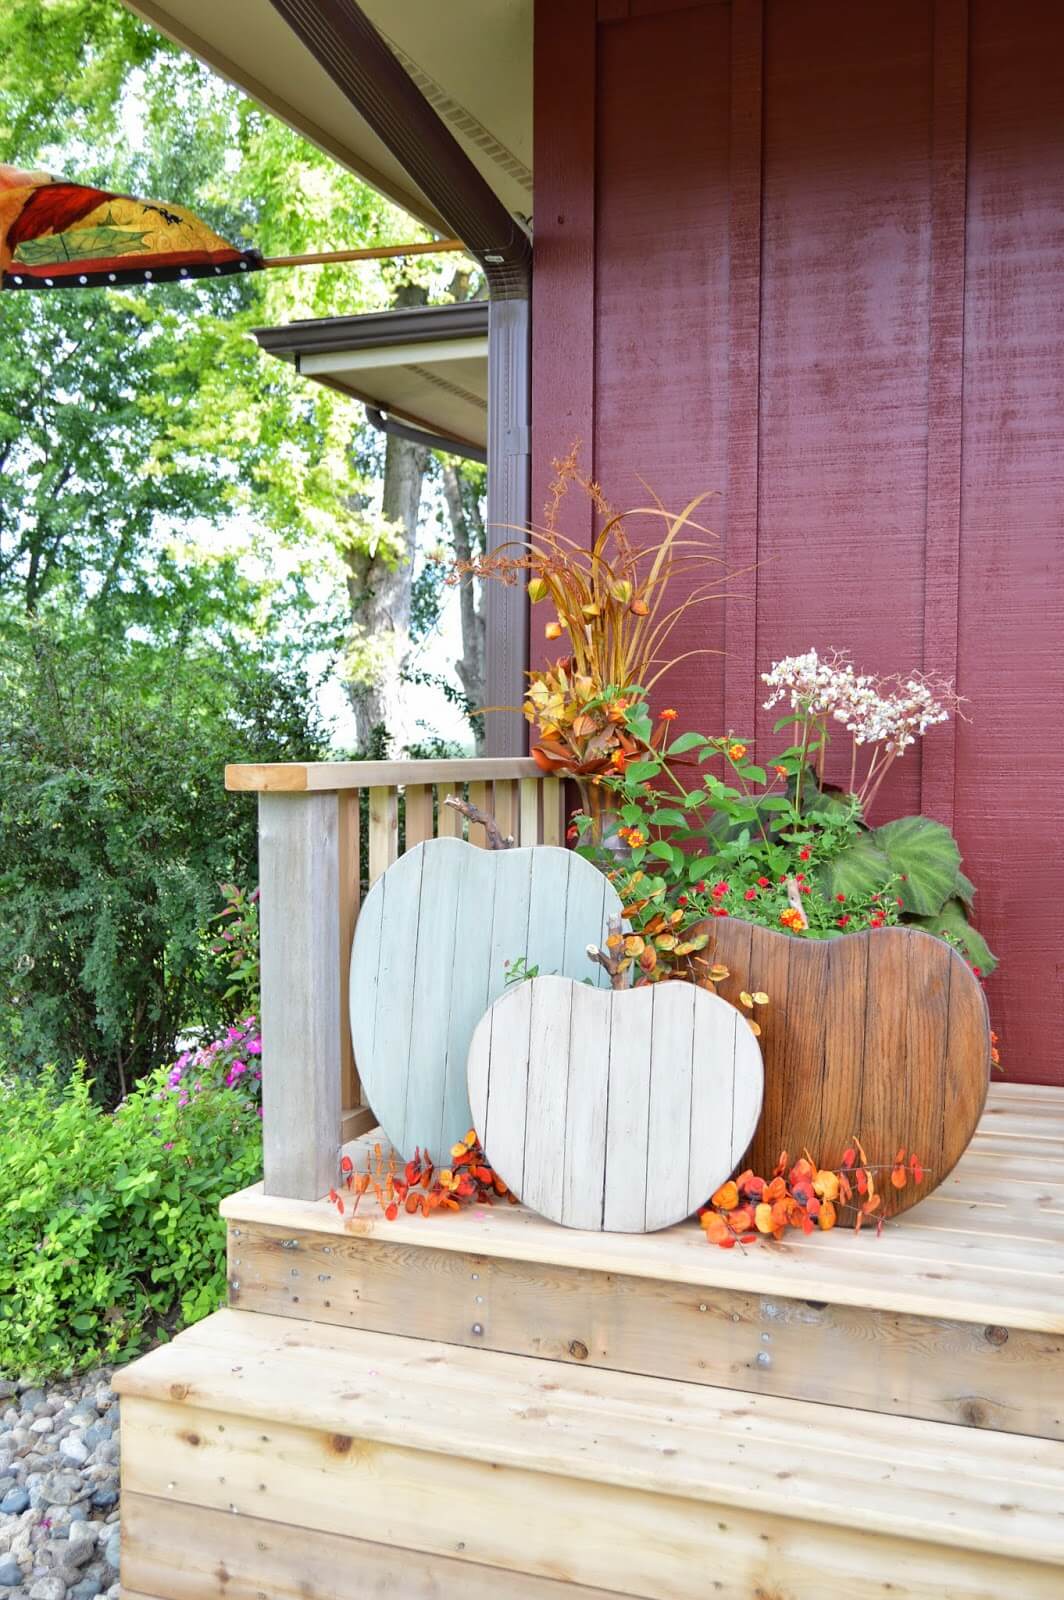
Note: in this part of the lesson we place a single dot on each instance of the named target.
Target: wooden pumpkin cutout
(881, 1035)
(429, 955)
(619, 1111)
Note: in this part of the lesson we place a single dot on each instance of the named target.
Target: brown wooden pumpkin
(881, 1035)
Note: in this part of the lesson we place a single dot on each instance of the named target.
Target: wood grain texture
(299, 874)
(983, 1249)
(429, 957)
(605, 1478)
(187, 1552)
(631, 1159)
(761, 1343)
(877, 1036)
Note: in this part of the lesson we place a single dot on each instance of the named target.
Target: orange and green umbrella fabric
(55, 234)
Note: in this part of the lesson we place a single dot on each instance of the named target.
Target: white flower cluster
(890, 712)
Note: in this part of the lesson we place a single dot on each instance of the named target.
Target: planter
(882, 1036)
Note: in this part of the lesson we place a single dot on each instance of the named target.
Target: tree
(116, 832)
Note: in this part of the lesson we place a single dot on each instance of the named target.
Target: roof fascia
(346, 44)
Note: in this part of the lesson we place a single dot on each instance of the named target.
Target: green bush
(110, 1237)
(116, 832)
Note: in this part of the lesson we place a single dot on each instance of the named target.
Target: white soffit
(437, 384)
(472, 60)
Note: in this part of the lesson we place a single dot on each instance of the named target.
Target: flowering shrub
(110, 1237)
(232, 1062)
(777, 844)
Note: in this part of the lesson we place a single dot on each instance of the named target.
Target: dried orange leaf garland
(807, 1197)
(420, 1186)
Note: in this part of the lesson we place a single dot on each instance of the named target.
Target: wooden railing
(327, 831)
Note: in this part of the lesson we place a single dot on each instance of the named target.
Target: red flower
(750, 894)
(805, 888)
(719, 889)
(803, 855)
(978, 971)
(700, 886)
(800, 876)
(720, 911)
(840, 898)
(682, 901)
(842, 921)
(763, 883)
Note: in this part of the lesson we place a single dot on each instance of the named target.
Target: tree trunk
(468, 532)
(379, 595)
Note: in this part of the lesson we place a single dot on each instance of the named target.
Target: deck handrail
(298, 777)
(313, 819)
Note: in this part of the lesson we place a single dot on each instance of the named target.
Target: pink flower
(254, 1047)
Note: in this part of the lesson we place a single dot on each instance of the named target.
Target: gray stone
(15, 1502)
(83, 1536)
(105, 1396)
(7, 1388)
(114, 1547)
(42, 1424)
(86, 1589)
(50, 1587)
(63, 1488)
(105, 1496)
(10, 1573)
(72, 1449)
(108, 1451)
(96, 1434)
(30, 1398)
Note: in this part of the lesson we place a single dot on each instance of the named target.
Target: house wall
(810, 254)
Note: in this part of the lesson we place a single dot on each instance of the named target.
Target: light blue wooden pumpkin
(429, 957)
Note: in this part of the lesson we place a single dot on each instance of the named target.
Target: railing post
(300, 842)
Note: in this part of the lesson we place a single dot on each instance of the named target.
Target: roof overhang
(471, 60)
(425, 366)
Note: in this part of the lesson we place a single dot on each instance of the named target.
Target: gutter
(431, 441)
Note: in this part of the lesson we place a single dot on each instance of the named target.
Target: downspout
(345, 43)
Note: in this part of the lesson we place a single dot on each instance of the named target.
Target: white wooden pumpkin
(429, 957)
(618, 1111)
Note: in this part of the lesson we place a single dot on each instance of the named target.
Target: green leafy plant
(110, 1237)
(775, 843)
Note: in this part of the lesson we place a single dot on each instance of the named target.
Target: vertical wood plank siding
(811, 254)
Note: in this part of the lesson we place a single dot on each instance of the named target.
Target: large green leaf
(964, 889)
(859, 870)
(952, 921)
(925, 856)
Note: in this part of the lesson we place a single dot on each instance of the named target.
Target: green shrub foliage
(116, 833)
(109, 1230)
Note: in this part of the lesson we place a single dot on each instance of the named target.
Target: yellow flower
(636, 839)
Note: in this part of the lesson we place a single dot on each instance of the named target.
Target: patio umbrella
(55, 234)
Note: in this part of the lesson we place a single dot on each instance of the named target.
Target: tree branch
(490, 826)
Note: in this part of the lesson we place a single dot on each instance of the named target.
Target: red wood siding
(810, 254)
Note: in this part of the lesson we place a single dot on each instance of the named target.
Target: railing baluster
(418, 812)
(448, 821)
(479, 796)
(348, 872)
(383, 830)
(506, 808)
(553, 798)
(529, 806)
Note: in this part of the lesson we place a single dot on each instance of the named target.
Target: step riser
(619, 1539)
(944, 1371)
(189, 1553)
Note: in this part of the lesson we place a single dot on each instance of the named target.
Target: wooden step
(956, 1314)
(611, 1481)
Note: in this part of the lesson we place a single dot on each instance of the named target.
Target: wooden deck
(489, 1403)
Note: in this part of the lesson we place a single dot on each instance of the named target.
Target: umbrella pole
(379, 252)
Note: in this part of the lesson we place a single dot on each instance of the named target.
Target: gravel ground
(59, 1527)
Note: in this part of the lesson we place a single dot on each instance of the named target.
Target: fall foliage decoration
(419, 1185)
(805, 1196)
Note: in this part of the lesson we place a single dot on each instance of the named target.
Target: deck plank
(999, 1263)
(922, 1480)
